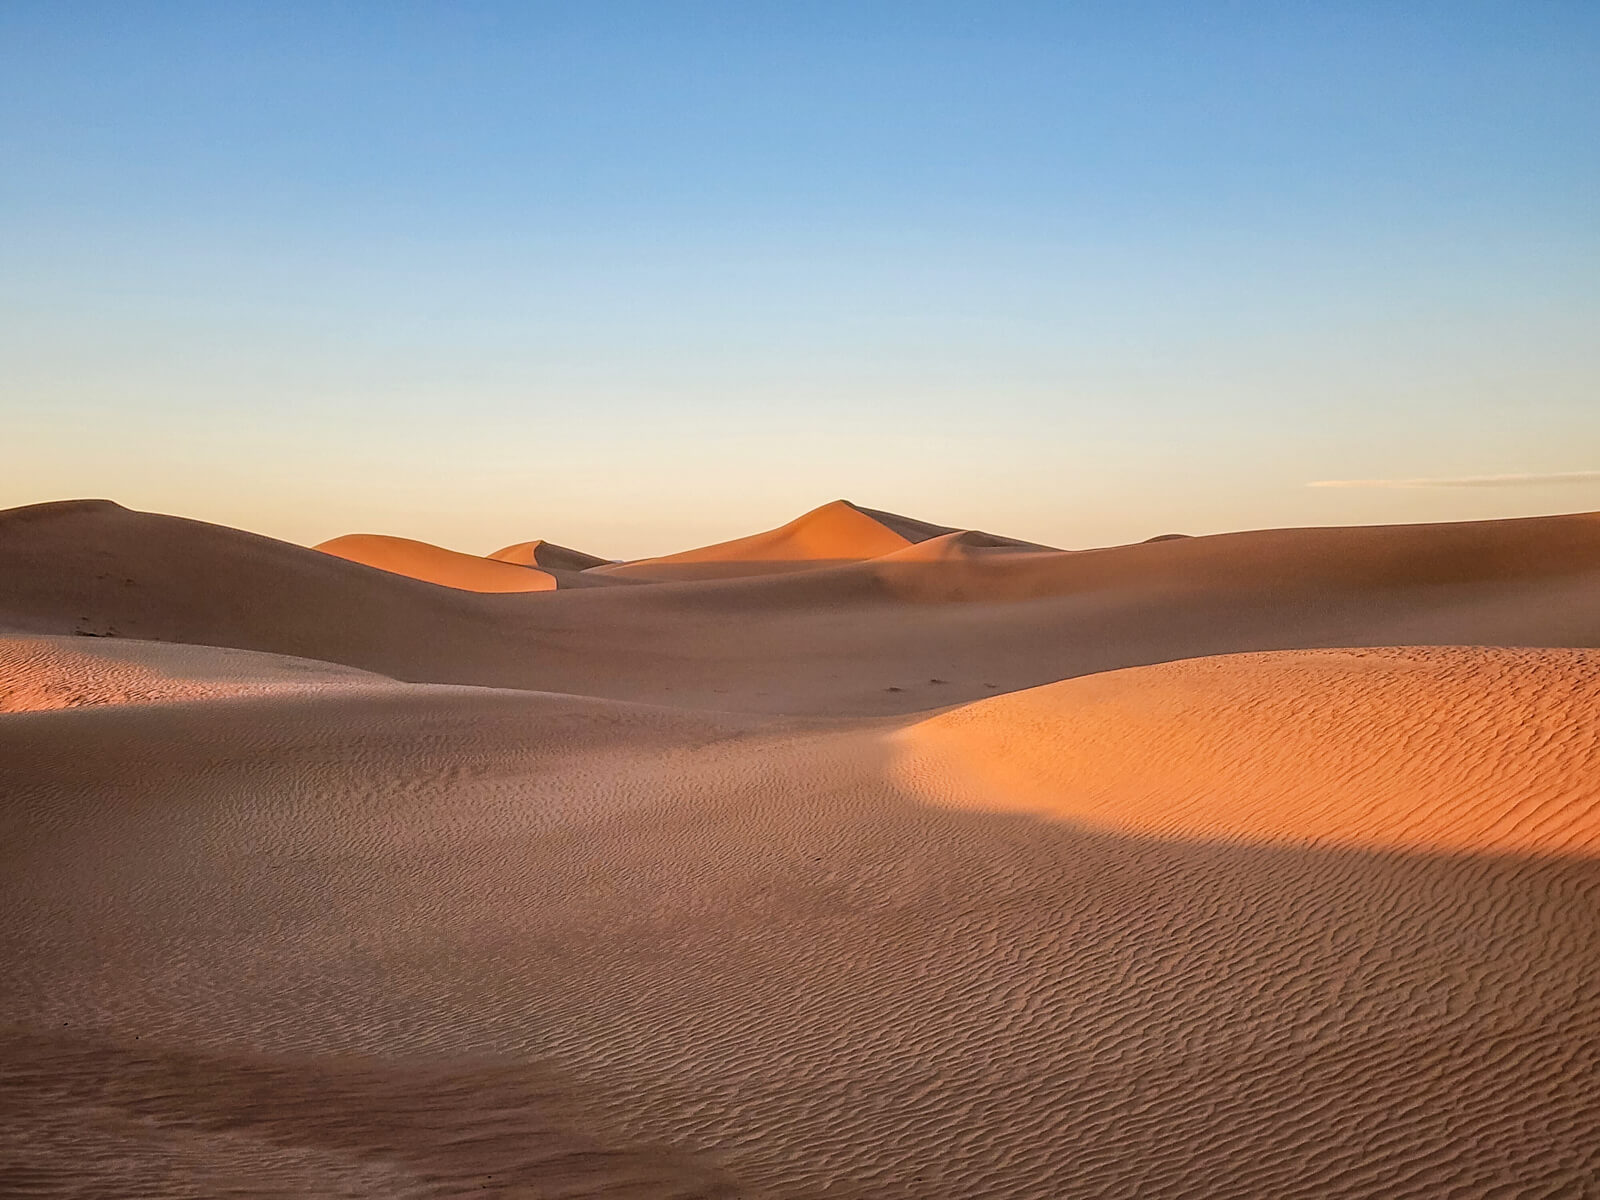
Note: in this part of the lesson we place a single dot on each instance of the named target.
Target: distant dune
(861, 638)
(547, 554)
(834, 534)
(435, 564)
(830, 536)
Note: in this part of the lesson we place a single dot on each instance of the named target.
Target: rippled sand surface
(1302, 922)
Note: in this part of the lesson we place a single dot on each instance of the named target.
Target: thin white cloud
(1465, 481)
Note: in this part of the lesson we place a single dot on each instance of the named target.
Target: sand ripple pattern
(38, 674)
(369, 945)
(99, 1119)
(1439, 748)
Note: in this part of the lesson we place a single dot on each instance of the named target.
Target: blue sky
(636, 276)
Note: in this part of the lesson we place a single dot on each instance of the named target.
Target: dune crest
(962, 546)
(435, 564)
(539, 553)
(837, 534)
(1452, 748)
(882, 636)
(834, 534)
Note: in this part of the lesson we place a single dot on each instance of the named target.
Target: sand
(539, 553)
(38, 674)
(829, 536)
(864, 638)
(1254, 865)
(435, 564)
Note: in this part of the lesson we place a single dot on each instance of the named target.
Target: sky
(639, 276)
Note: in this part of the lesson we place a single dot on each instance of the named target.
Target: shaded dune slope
(501, 943)
(869, 637)
(435, 564)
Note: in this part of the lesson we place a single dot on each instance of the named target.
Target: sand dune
(960, 545)
(1304, 924)
(1470, 750)
(830, 536)
(834, 534)
(547, 554)
(94, 568)
(435, 564)
(43, 673)
(875, 637)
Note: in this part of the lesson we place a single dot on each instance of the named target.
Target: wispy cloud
(1465, 481)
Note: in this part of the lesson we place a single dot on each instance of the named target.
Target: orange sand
(836, 533)
(546, 554)
(784, 886)
(435, 564)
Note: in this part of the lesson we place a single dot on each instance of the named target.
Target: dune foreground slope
(1256, 865)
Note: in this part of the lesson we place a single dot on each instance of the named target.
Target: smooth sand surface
(875, 637)
(783, 887)
(835, 534)
(539, 553)
(435, 564)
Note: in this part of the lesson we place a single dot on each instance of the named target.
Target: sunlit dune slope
(435, 564)
(1462, 749)
(539, 553)
(828, 536)
(835, 534)
(877, 637)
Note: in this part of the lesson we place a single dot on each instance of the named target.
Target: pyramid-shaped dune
(834, 535)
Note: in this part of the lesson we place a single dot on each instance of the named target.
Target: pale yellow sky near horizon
(1078, 275)
(627, 522)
